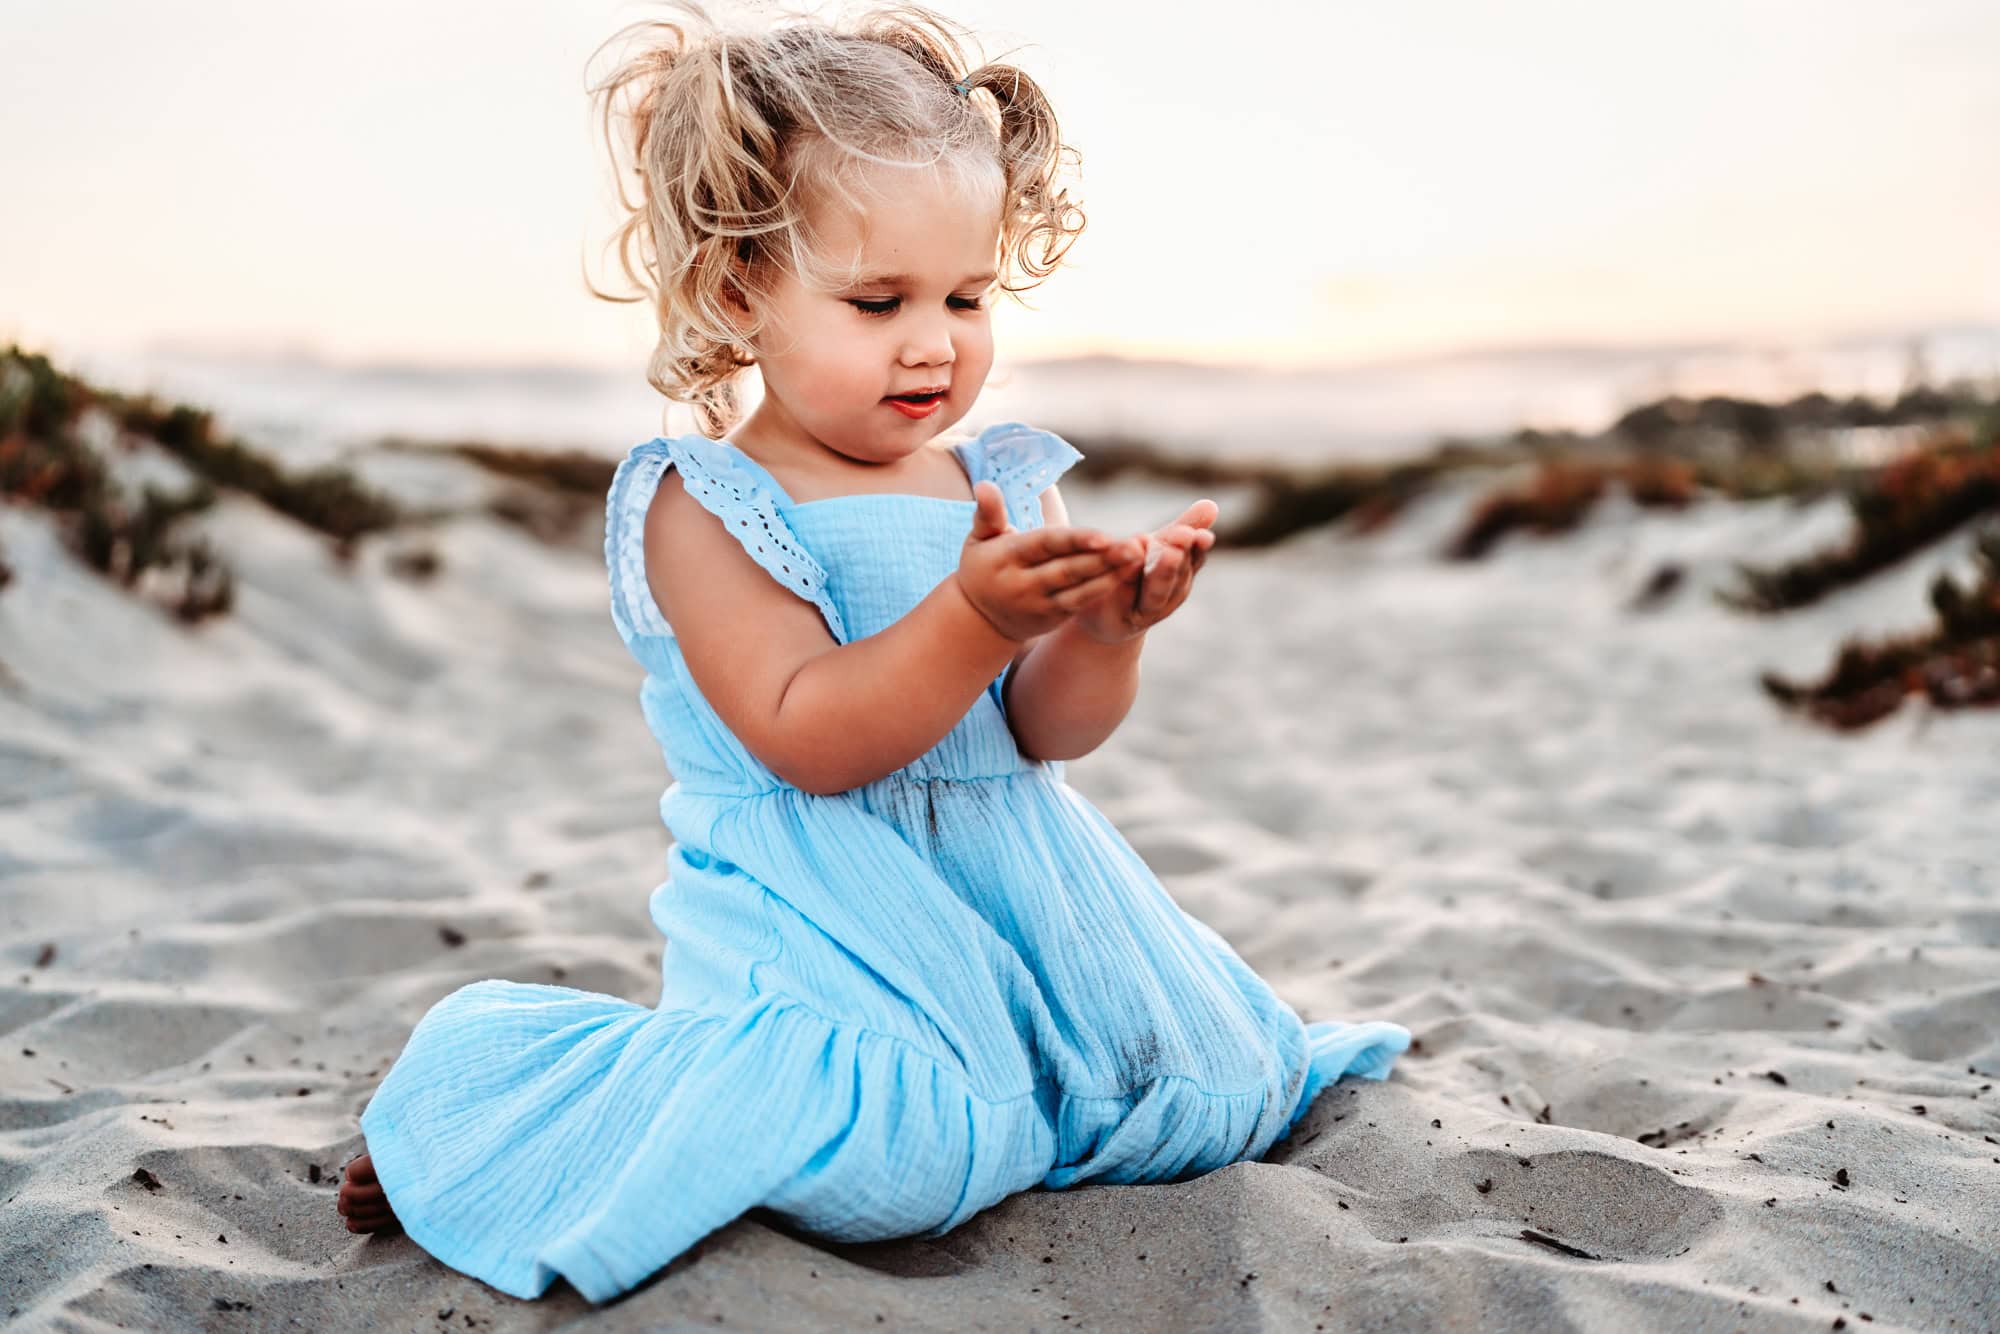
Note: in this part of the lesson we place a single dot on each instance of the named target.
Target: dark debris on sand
(1544, 1239)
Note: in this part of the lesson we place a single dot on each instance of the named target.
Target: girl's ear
(736, 304)
(736, 286)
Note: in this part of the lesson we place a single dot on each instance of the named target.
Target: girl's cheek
(975, 350)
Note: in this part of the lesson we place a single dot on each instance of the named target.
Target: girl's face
(917, 318)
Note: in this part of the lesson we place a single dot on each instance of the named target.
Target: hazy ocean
(313, 410)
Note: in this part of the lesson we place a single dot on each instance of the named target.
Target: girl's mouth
(916, 405)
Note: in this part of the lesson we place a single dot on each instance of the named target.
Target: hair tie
(962, 87)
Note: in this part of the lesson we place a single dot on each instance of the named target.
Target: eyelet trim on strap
(1023, 460)
(633, 485)
(728, 490)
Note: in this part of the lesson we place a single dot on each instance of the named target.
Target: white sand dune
(1676, 961)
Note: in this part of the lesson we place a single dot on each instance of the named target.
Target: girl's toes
(356, 1205)
(360, 1186)
(354, 1195)
(362, 1201)
(370, 1219)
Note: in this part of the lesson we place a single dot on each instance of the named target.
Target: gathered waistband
(1043, 770)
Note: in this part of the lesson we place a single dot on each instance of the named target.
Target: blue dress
(882, 1010)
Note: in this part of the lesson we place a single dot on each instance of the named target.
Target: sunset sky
(1279, 184)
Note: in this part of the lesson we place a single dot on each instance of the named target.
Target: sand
(1707, 999)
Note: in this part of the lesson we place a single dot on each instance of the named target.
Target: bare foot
(362, 1200)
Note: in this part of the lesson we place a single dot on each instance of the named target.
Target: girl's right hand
(1028, 583)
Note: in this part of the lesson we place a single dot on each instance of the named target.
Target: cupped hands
(1027, 583)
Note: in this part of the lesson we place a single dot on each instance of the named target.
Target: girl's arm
(1067, 692)
(822, 716)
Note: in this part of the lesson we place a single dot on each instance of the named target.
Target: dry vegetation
(1929, 493)
(46, 461)
(1562, 493)
(1954, 665)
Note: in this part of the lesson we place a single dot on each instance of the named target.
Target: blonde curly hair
(737, 136)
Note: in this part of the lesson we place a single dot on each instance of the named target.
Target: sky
(1280, 184)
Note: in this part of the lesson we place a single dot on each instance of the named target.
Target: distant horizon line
(304, 355)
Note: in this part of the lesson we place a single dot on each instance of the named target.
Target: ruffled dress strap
(729, 486)
(1023, 460)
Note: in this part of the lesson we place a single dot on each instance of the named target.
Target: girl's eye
(884, 305)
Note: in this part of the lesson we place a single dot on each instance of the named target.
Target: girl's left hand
(1144, 597)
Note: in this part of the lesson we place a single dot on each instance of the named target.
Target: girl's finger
(1160, 582)
(1186, 583)
(1201, 514)
(989, 518)
(1174, 593)
(1041, 544)
(1063, 571)
(1076, 595)
(1199, 551)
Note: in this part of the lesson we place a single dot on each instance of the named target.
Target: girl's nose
(928, 345)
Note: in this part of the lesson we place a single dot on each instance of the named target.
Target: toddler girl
(909, 970)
